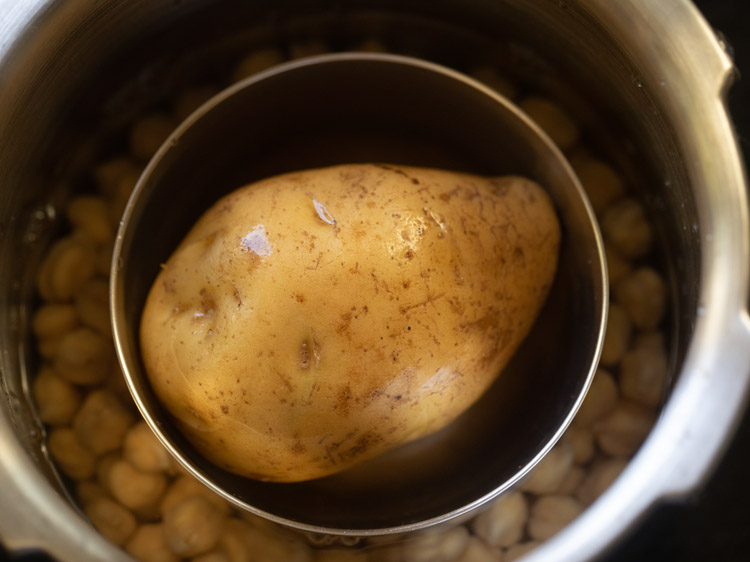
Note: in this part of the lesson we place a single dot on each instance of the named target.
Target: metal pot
(71, 72)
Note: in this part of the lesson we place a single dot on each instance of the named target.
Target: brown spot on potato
(346, 320)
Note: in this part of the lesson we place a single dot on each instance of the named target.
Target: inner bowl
(350, 108)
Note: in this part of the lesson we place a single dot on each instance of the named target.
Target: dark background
(714, 524)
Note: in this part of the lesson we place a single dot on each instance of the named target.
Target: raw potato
(317, 319)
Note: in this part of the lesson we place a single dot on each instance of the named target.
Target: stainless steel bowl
(72, 72)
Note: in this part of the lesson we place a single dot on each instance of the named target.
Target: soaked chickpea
(148, 134)
(68, 264)
(186, 486)
(581, 441)
(436, 546)
(549, 514)
(601, 398)
(73, 458)
(600, 476)
(601, 183)
(142, 449)
(643, 295)
(135, 489)
(478, 551)
(211, 557)
(519, 549)
(88, 214)
(233, 540)
(101, 422)
(148, 545)
(573, 481)
(84, 357)
(193, 526)
(503, 523)
(617, 336)
(57, 400)
(624, 225)
(551, 470)
(191, 100)
(114, 521)
(643, 374)
(91, 304)
(89, 490)
(553, 120)
(53, 320)
(341, 555)
(622, 431)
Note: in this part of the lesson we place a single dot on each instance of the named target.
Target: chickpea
(53, 320)
(89, 490)
(503, 523)
(139, 491)
(148, 134)
(518, 550)
(624, 225)
(144, 451)
(214, 556)
(88, 214)
(115, 522)
(92, 306)
(71, 456)
(103, 260)
(109, 174)
(553, 120)
(600, 476)
(643, 295)
(551, 471)
(193, 526)
(581, 441)
(600, 399)
(622, 431)
(56, 399)
(115, 383)
(436, 546)
(186, 486)
(370, 45)
(549, 514)
(102, 422)
(573, 481)
(48, 348)
(643, 372)
(233, 540)
(653, 341)
(493, 79)
(84, 357)
(268, 546)
(477, 551)
(341, 555)
(617, 336)
(618, 266)
(119, 200)
(104, 466)
(601, 183)
(148, 545)
(69, 263)
(257, 61)
(191, 100)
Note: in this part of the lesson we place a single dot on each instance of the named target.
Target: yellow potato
(314, 320)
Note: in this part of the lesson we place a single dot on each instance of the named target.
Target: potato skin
(314, 320)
